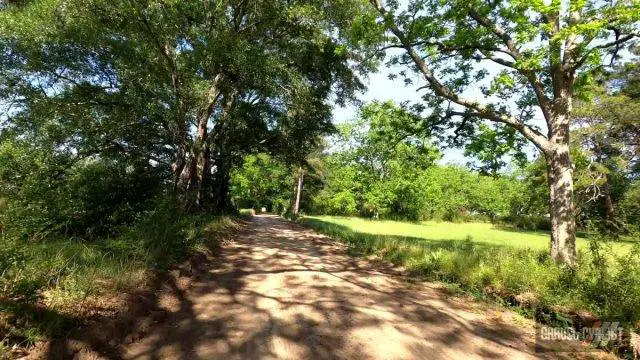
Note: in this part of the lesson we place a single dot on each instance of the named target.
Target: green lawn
(481, 233)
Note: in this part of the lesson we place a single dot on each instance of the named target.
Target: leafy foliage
(126, 124)
(543, 54)
(379, 170)
(262, 181)
(607, 133)
(122, 121)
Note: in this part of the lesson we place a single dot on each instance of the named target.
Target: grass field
(510, 266)
(433, 231)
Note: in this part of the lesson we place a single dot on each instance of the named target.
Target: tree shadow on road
(282, 291)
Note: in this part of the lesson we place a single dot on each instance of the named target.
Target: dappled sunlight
(281, 291)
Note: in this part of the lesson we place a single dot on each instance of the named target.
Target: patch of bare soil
(280, 291)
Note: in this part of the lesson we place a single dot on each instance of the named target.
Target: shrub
(411, 193)
(611, 282)
(342, 203)
(247, 213)
(58, 271)
(526, 222)
(15, 281)
(629, 208)
(88, 198)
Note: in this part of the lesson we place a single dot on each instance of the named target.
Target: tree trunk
(296, 207)
(222, 158)
(203, 163)
(186, 180)
(194, 178)
(561, 206)
(609, 208)
(181, 157)
(203, 175)
(221, 185)
(612, 223)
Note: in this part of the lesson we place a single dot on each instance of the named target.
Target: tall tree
(545, 53)
(607, 130)
(300, 176)
(201, 83)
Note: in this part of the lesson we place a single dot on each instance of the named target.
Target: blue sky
(380, 87)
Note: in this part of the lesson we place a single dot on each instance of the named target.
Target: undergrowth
(246, 213)
(41, 280)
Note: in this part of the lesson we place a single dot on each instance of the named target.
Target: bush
(247, 213)
(611, 282)
(162, 236)
(57, 272)
(262, 181)
(434, 193)
(629, 207)
(342, 203)
(15, 282)
(524, 222)
(46, 196)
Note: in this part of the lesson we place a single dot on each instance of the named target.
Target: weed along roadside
(84, 296)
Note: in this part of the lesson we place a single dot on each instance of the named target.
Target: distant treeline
(371, 168)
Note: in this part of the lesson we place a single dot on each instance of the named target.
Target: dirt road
(281, 291)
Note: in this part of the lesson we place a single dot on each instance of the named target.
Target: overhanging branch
(480, 110)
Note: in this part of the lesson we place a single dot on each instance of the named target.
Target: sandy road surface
(282, 291)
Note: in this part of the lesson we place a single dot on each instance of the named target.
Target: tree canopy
(184, 88)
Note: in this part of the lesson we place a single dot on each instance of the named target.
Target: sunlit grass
(481, 233)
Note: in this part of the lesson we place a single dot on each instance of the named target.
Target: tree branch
(617, 42)
(440, 89)
(497, 60)
(497, 30)
(515, 53)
